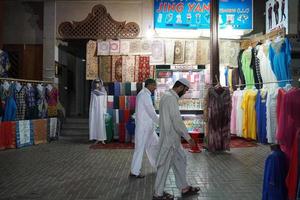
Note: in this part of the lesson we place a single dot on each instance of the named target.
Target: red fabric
(126, 115)
(8, 135)
(122, 132)
(289, 120)
(122, 102)
(292, 177)
(144, 68)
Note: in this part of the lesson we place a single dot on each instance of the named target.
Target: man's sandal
(165, 196)
(191, 191)
(136, 176)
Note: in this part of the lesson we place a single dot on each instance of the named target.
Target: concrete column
(214, 41)
(49, 39)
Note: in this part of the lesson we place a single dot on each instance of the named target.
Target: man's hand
(191, 142)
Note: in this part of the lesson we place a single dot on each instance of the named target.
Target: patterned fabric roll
(91, 60)
(128, 68)
(7, 135)
(40, 131)
(24, 133)
(105, 68)
(144, 68)
(116, 68)
(179, 52)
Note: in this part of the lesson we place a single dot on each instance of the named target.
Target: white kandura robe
(170, 153)
(145, 136)
(98, 108)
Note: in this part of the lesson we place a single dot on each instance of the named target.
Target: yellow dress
(249, 117)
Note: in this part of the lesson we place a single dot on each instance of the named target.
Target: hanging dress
(217, 116)
(20, 101)
(42, 102)
(98, 108)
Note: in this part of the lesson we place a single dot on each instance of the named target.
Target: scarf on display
(169, 49)
(7, 135)
(135, 47)
(202, 55)
(24, 133)
(124, 47)
(52, 128)
(179, 52)
(91, 60)
(117, 68)
(146, 47)
(114, 46)
(102, 48)
(128, 68)
(144, 68)
(105, 68)
(190, 52)
(158, 53)
(40, 131)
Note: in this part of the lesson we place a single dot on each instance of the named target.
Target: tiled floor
(68, 169)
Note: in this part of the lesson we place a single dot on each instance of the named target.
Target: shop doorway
(74, 88)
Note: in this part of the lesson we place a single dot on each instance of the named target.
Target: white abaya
(98, 107)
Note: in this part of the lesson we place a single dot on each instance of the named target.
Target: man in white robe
(145, 136)
(171, 153)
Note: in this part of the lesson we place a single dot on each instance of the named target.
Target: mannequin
(98, 107)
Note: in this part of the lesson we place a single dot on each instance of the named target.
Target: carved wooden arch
(98, 25)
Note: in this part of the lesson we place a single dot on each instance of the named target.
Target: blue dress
(280, 58)
(10, 110)
(276, 169)
(261, 117)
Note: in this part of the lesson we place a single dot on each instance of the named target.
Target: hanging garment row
(267, 62)
(21, 101)
(254, 112)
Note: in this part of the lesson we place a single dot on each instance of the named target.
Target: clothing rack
(25, 80)
(288, 80)
(261, 38)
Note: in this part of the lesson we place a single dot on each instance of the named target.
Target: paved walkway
(68, 169)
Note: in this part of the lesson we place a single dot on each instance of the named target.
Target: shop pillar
(214, 43)
(49, 40)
